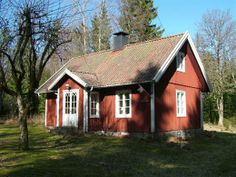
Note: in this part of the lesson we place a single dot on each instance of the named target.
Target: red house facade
(148, 87)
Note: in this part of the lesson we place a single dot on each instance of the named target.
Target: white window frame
(124, 115)
(180, 58)
(184, 104)
(97, 115)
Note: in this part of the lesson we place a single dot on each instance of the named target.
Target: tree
(216, 42)
(80, 40)
(101, 29)
(80, 35)
(136, 19)
(27, 44)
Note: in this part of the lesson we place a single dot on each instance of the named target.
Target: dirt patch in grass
(217, 128)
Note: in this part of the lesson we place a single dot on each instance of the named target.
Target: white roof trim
(69, 73)
(174, 52)
(37, 91)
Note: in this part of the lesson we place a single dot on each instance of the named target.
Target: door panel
(70, 108)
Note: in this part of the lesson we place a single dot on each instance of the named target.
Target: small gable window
(180, 62)
(180, 103)
(94, 105)
(123, 104)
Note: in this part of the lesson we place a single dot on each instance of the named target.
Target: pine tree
(136, 19)
(80, 40)
(101, 29)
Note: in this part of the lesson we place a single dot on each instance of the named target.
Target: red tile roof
(134, 63)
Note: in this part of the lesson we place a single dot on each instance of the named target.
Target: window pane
(127, 110)
(180, 61)
(121, 103)
(93, 111)
(182, 110)
(120, 110)
(120, 96)
(127, 103)
(67, 103)
(126, 95)
(73, 108)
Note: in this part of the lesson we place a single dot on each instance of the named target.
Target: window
(94, 105)
(123, 104)
(180, 62)
(67, 103)
(73, 103)
(180, 103)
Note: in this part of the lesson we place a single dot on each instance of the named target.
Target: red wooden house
(148, 87)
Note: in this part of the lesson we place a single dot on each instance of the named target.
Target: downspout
(85, 121)
(201, 110)
(153, 108)
(46, 112)
(58, 106)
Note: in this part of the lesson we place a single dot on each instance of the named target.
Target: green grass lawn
(91, 155)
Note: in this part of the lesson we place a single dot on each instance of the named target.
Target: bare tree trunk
(220, 106)
(22, 116)
(99, 41)
(34, 103)
(85, 37)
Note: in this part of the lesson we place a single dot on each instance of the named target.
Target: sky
(177, 16)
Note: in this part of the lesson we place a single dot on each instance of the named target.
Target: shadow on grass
(212, 154)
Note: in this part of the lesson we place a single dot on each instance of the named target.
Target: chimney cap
(121, 33)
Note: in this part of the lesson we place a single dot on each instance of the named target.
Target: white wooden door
(70, 108)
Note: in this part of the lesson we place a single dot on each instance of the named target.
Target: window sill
(123, 117)
(182, 71)
(181, 116)
(94, 117)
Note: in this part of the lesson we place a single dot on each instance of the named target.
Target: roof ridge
(92, 53)
(127, 45)
(155, 39)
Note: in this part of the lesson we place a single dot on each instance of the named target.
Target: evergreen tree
(101, 29)
(80, 40)
(136, 19)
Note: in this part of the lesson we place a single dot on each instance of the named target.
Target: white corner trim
(46, 112)
(85, 104)
(70, 74)
(201, 110)
(58, 106)
(153, 108)
(174, 52)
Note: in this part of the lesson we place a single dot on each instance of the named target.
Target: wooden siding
(140, 120)
(51, 110)
(192, 82)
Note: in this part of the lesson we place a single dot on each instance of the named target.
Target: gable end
(171, 57)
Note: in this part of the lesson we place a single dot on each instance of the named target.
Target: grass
(54, 155)
(229, 122)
